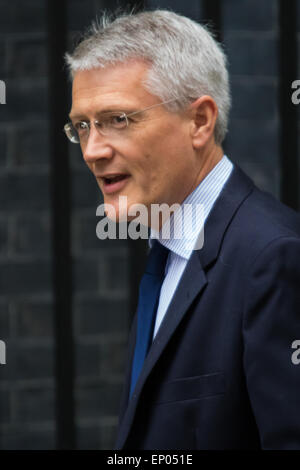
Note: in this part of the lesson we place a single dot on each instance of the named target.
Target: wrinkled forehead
(114, 82)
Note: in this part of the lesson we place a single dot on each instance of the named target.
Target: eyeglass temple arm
(153, 106)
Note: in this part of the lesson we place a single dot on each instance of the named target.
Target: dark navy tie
(149, 291)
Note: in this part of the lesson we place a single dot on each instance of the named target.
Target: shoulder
(259, 221)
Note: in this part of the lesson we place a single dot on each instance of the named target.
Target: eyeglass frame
(96, 121)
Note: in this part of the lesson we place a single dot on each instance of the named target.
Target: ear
(204, 113)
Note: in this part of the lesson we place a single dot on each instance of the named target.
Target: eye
(118, 121)
(81, 127)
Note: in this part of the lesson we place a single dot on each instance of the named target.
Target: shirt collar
(203, 196)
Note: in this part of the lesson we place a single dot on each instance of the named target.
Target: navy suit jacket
(219, 373)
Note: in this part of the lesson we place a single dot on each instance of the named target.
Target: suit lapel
(192, 283)
(184, 296)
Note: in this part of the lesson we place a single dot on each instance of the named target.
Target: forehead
(121, 84)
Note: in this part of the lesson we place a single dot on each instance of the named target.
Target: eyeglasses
(110, 123)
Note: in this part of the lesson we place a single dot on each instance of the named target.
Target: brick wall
(26, 303)
(251, 35)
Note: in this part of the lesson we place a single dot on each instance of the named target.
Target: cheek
(159, 164)
(145, 169)
(154, 170)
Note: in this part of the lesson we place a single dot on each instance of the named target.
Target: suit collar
(235, 191)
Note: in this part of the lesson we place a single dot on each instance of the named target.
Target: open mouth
(114, 183)
(114, 179)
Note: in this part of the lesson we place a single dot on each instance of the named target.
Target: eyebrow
(104, 111)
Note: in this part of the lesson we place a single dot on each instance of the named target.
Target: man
(150, 108)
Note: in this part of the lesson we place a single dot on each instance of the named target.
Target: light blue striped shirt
(205, 194)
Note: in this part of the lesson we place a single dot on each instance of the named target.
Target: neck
(210, 159)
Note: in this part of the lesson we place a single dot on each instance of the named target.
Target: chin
(117, 215)
(118, 210)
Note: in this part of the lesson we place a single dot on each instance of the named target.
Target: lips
(113, 182)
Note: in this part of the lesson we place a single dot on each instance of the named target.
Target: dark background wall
(66, 329)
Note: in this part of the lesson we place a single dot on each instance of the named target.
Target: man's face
(154, 154)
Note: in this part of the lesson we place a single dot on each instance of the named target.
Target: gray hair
(185, 60)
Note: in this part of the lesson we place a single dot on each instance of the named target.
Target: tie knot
(157, 259)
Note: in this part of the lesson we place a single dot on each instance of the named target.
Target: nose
(96, 147)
